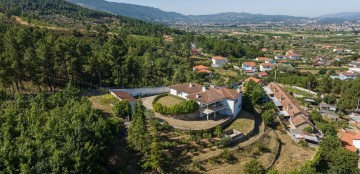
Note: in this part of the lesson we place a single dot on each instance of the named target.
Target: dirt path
(182, 124)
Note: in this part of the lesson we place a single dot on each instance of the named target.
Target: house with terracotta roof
(202, 69)
(213, 101)
(298, 117)
(258, 81)
(265, 50)
(351, 141)
(266, 67)
(249, 66)
(261, 59)
(292, 55)
(218, 61)
(122, 95)
(263, 74)
(349, 75)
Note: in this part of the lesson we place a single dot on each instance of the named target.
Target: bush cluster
(187, 107)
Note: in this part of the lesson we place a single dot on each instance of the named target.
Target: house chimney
(197, 95)
(204, 89)
(239, 90)
(191, 85)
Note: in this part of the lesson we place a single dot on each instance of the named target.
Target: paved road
(182, 124)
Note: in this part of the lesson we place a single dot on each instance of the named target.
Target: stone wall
(186, 117)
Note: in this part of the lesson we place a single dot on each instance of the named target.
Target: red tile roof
(198, 67)
(251, 64)
(289, 104)
(267, 64)
(253, 79)
(300, 120)
(212, 95)
(262, 58)
(263, 74)
(218, 58)
(186, 88)
(204, 71)
(125, 96)
(347, 140)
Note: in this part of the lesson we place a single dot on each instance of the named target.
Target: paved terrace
(186, 125)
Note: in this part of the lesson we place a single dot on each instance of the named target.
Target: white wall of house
(180, 94)
(220, 62)
(265, 68)
(356, 143)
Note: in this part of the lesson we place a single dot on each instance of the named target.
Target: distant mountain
(130, 10)
(343, 15)
(244, 18)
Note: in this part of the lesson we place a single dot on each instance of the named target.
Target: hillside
(154, 14)
(65, 14)
(130, 10)
(343, 15)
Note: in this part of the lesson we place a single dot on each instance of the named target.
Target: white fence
(143, 91)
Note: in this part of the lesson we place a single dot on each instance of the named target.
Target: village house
(354, 64)
(218, 61)
(279, 57)
(195, 52)
(351, 141)
(292, 55)
(122, 95)
(212, 100)
(355, 118)
(338, 50)
(265, 50)
(266, 67)
(289, 108)
(201, 69)
(263, 74)
(328, 110)
(261, 59)
(346, 75)
(320, 61)
(258, 81)
(249, 66)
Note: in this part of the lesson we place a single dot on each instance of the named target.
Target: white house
(249, 66)
(292, 55)
(212, 101)
(218, 61)
(338, 50)
(266, 67)
(279, 57)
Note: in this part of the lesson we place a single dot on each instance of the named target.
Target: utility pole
(275, 75)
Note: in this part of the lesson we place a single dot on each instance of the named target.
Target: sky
(308, 8)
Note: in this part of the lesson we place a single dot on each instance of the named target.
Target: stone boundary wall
(143, 91)
(303, 89)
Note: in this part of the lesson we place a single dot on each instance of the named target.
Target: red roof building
(348, 139)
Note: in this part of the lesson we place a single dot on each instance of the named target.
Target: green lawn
(244, 122)
(170, 100)
(299, 92)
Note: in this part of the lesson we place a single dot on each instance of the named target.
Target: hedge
(186, 107)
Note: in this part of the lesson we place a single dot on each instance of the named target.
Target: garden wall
(143, 91)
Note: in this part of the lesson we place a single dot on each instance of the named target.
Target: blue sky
(311, 8)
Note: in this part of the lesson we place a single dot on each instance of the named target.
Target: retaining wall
(143, 91)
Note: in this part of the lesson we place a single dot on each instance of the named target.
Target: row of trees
(60, 133)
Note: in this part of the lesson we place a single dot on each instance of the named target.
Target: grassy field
(169, 101)
(244, 123)
(299, 92)
(103, 102)
(292, 155)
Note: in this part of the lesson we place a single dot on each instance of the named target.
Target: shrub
(308, 129)
(186, 107)
(122, 109)
(303, 143)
